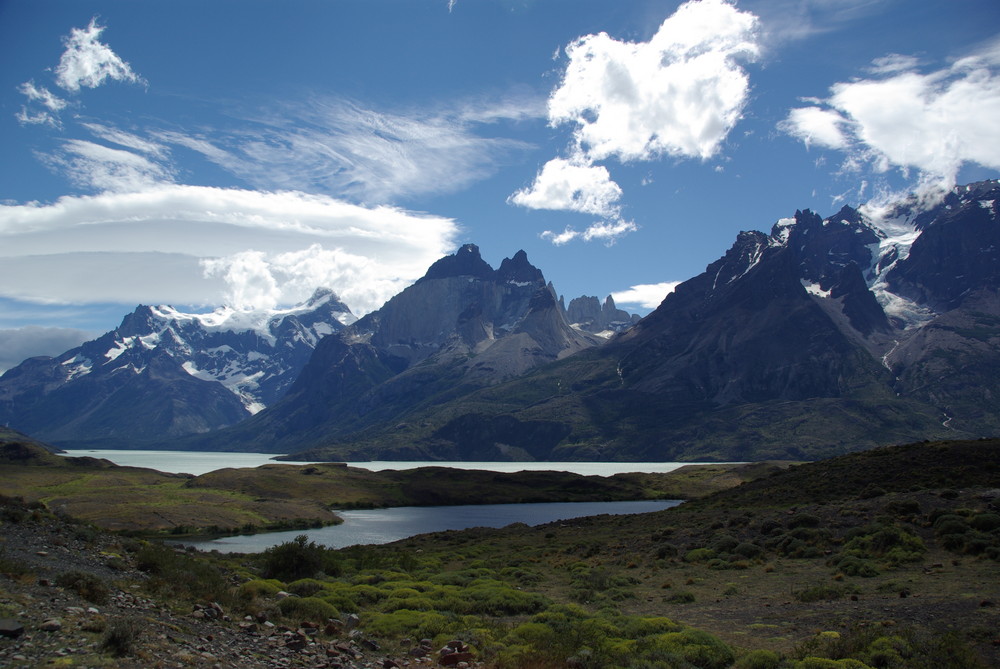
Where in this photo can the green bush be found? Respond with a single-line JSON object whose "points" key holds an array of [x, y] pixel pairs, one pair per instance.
{"points": [[258, 588], [406, 623], [298, 559], [824, 663], [759, 659], [87, 585], [699, 554], [852, 565], [891, 543], [180, 574], [695, 647], [307, 608], [304, 587], [682, 597]]}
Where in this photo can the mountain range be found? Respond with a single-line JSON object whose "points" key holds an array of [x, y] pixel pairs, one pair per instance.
{"points": [[163, 373], [823, 336]]}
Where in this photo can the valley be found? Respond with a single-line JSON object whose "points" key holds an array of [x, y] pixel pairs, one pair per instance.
{"points": [[885, 558]]}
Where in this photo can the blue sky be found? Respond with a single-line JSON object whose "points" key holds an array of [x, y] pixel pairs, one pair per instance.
{"points": [[244, 152]]}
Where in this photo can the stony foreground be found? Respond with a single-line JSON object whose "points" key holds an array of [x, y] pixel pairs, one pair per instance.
{"points": [[46, 623]]}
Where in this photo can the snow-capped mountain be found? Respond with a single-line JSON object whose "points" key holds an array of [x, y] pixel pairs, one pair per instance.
{"points": [[462, 326], [208, 371], [822, 336]]}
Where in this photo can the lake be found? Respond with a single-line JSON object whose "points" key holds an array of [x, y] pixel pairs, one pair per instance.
{"points": [[200, 463], [380, 526], [386, 525]]}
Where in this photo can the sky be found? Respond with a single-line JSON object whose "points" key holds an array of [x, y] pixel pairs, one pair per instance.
{"points": [[246, 152]]}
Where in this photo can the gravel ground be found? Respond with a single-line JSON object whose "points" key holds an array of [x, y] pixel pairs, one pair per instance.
{"points": [[45, 624]]}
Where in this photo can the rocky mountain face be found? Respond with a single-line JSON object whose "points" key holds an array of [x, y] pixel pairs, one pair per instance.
{"points": [[588, 314], [462, 326], [823, 336], [163, 373]]}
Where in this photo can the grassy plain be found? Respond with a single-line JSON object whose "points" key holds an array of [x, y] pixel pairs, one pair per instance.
{"points": [[884, 559], [283, 496]]}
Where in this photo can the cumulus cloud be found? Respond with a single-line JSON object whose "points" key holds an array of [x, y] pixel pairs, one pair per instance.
{"points": [[195, 245], [19, 344], [678, 95], [816, 125], [86, 62], [646, 295], [571, 185], [89, 62], [932, 122]]}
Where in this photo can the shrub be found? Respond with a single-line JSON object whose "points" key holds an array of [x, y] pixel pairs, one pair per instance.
{"points": [[121, 635], [406, 623], [985, 522], [699, 554], [695, 647], [90, 587], [819, 593], [298, 559], [759, 659], [889, 542], [179, 573], [258, 588], [682, 597], [723, 543], [748, 550], [304, 587], [803, 520], [307, 608], [852, 565]]}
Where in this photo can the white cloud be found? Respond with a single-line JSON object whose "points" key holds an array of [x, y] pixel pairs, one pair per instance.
{"points": [[795, 20], [19, 344], [646, 295], [51, 106], [570, 185], [260, 248], [89, 62], [816, 125], [103, 168], [127, 139], [608, 231], [931, 122], [893, 63], [679, 94], [333, 145]]}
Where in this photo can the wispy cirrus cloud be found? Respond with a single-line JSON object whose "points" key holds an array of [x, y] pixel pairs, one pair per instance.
{"points": [[103, 168], [677, 95], [901, 117], [796, 20], [339, 146]]}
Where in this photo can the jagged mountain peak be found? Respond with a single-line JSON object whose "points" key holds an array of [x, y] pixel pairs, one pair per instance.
{"points": [[466, 261], [519, 270]]}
